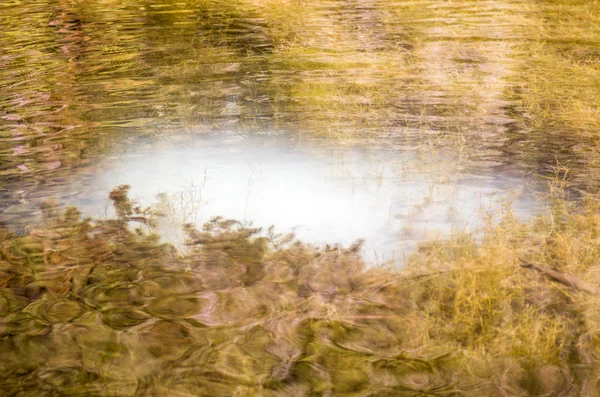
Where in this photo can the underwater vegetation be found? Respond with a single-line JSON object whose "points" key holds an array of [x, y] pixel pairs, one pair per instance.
{"points": [[102, 307]]}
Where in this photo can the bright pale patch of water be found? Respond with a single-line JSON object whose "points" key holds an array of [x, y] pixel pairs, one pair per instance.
{"points": [[324, 192]]}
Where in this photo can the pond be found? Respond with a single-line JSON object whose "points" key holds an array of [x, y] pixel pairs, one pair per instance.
{"points": [[398, 120], [418, 128]]}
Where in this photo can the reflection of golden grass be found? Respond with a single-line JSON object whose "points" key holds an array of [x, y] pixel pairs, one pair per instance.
{"points": [[241, 313], [557, 87], [94, 308], [333, 69], [418, 78]]}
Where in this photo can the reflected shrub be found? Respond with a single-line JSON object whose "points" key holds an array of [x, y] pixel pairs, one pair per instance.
{"points": [[98, 307]]}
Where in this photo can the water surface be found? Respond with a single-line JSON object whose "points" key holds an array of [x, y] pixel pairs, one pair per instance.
{"points": [[82, 81], [324, 192], [391, 122]]}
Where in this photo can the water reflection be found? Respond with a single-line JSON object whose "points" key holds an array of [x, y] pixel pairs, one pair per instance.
{"points": [[76, 77], [81, 80], [432, 114], [325, 192]]}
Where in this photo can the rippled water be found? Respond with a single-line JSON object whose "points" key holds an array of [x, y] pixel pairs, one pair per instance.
{"points": [[340, 120], [78, 79]]}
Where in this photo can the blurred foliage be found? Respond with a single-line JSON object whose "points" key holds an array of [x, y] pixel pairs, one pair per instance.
{"points": [[103, 308]]}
